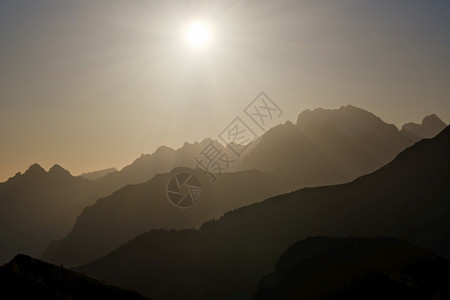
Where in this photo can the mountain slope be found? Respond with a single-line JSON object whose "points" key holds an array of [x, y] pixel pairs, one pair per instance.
{"points": [[321, 149], [163, 160], [28, 278], [226, 258], [138, 208], [430, 127], [327, 146], [356, 268], [57, 198], [98, 174], [38, 206]]}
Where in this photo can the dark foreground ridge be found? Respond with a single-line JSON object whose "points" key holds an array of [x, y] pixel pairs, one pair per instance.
{"points": [[356, 268], [28, 278]]}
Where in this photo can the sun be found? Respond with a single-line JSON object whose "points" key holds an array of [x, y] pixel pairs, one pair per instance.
{"points": [[198, 34]]}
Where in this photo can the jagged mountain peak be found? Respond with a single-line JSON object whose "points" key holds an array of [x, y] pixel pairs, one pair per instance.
{"points": [[58, 170], [164, 149], [430, 127], [35, 169], [327, 111], [349, 119], [433, 120]]}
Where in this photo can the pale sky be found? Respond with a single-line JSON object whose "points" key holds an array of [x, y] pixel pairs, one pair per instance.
{"points": [[92, 84]]}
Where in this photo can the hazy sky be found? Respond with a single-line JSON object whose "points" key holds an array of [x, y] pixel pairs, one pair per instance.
{"points": [[91, 84]]}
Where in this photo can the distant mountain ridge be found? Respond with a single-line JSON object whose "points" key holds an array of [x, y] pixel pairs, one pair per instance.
{"points": [[408, 198], [57, 198], [297, 157], [326, 146], [330, 146], [98, 174], [350, 122], [37, 207], [431, 125], [163, 160], [134, 209]]}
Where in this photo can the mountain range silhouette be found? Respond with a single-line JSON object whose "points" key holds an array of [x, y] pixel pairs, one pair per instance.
{"points": [[80, 219], [406, 199], [38, 206], [134, 209], [98, 174], [328, 146], [312, 152], [56, 198]]}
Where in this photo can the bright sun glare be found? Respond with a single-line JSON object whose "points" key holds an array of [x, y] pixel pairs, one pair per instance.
{"points": [[198, 34]]}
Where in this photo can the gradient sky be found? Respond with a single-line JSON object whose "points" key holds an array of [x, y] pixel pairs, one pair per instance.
{"points": [[91, 84]]}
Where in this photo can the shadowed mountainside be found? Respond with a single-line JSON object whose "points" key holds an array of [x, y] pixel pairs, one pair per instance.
{"points": [[298, 156], [139, 208], [326, 146], [356, 268], [28, 278], [163, 160], [330, 146], [38, 206], [431, 125], [226, 258]]}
